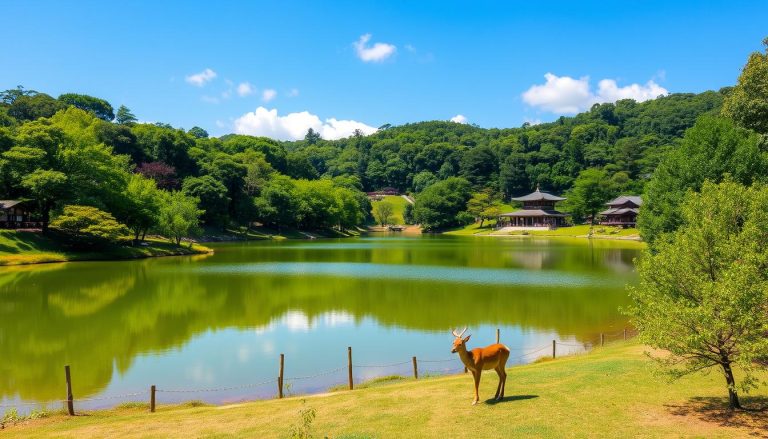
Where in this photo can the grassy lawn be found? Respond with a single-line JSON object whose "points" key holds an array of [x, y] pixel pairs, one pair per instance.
{"points": [[398, 207], [582, 230], [610, 392], [20, 248]]}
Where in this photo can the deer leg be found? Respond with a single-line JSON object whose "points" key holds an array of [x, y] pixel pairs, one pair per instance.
{"points": [[500, 372], [503, 382], [476, 376]]}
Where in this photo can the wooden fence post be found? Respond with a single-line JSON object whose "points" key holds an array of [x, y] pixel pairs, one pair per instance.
{"points": [[625, 334], [70, 398], [554, 344], [152, 390], [280, 377], [349, 365], [497, 335], [602, 339], [415, 369]]}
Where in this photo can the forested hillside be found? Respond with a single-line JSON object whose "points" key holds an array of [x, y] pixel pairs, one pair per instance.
{"points": [[76, 150]]}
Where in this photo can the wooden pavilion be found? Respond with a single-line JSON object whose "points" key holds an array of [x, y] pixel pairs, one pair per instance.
{"points": [[622, 211], [538, 211]]}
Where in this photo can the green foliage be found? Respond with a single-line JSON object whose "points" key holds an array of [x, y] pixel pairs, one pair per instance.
{"points": [[484, 205], [212, 195], [382, 212], [703, 292], [46, 187], [125, 117], [143, 203], [711, 149], [101, 108], [591, 190], [438, 205], [303, 429], [747, 104], [34, 106], [179, 216], [198, 133], [88, 226]]}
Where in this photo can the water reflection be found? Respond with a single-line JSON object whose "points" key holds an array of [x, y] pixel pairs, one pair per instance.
{"points": [[216, 319]]}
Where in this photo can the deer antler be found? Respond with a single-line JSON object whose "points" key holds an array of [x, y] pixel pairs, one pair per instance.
{"points": [[453, 332], [462, 332]]}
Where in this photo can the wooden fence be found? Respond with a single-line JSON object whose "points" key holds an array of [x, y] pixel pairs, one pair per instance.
{"points": [[281, 379]]}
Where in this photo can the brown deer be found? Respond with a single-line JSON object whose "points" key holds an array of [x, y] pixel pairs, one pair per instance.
{"points": [[479, 359]]}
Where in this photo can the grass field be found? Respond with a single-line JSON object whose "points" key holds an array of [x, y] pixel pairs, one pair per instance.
{"points": [[398, 207], [610, 392], [582, 230], [20, 248]]}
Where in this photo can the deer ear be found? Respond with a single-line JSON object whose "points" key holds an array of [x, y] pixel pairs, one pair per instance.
{"points": [[466, 339]]}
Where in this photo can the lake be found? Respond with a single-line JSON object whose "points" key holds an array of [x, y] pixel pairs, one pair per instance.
{"points": [[220, 321]]}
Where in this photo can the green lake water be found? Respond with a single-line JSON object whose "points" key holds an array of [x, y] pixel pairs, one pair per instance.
{"points": [[221, 321]]}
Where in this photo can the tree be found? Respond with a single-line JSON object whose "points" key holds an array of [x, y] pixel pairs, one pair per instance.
{"points": [[382, 212], [179, 216], [164, 175], [479, 165], [438, 205], [101, 108], [87, 225], [277, 203], [747, 103], [703, 292], [143, 204], [125, 117], [35, 106], [422, 180], [711, 149], [212, 195], [198, 133], [312, 137], [484, 205], [590, 192], [47, 187]]}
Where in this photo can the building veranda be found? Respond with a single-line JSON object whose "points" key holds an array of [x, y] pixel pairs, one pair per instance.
{"points": [[538, 211]]}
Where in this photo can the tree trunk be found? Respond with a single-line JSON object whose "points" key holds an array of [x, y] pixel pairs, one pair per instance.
{"points": [[482, 220], [733, 398]]}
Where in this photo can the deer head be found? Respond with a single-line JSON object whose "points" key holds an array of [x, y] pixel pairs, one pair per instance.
{"points": [[459, 343]]}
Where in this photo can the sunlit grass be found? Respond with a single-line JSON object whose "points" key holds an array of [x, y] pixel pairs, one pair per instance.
{"points": [[609, 392]]}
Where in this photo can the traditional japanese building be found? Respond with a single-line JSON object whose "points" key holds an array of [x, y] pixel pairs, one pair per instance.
{"points": [[622, 211], [538, 211], [15, 214]]}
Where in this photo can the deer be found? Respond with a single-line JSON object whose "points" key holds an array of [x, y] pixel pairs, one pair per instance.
{"points": [[479, 359]]}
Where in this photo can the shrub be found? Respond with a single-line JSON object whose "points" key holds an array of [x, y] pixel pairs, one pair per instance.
{"points": [[87, 225]]}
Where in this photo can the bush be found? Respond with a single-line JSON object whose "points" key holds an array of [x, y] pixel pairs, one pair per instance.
{"points": [[88, 226]]}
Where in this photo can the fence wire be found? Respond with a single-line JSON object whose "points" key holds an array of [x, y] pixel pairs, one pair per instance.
{"points": [[586, 345]]}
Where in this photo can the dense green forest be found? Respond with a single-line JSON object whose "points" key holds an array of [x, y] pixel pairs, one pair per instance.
{"points": [[76, 150]]}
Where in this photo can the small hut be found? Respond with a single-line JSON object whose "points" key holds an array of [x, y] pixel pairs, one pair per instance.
{"points": [[15, 214]]}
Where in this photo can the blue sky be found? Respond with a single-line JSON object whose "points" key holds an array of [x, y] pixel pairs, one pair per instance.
{"points": [[311, 64]]}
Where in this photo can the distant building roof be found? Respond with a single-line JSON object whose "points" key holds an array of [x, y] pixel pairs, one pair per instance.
{"points": [[7, 204], [534, 212], [538, 195], [623, 199], [619, 211]]}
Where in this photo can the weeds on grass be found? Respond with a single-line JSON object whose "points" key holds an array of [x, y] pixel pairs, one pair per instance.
{"points": [[303, 430]]}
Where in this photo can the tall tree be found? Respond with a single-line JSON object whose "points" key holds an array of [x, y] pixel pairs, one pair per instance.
{"points": [[747, 103], [590, 192], [703, 293], [101, 108], [711, 149], [382, 211], [125, 117]]}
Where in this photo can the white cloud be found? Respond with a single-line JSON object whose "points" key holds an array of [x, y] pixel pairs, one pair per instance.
{"points": [[245, 89], [268, 94], [459, 118], [293, 93], [294, 126], [200, 79], [563, 94], [376, 53]]}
